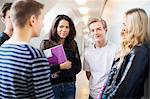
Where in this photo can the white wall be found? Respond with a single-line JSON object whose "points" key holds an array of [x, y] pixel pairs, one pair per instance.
{"points": [[113, 14]]}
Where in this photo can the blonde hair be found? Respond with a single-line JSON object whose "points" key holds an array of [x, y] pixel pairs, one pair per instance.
{"points": [[93, 20], [137, 22]]}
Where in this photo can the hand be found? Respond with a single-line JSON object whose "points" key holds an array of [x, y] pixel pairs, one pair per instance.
{"points": [[66, 65]]}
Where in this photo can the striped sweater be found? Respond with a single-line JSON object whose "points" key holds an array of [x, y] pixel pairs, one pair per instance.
{"points": [[24, 73]]}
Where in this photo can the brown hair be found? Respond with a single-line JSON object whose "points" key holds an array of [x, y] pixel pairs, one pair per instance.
{"points": [[53, 36], [4, 8], [92, 20], [23, 9]]}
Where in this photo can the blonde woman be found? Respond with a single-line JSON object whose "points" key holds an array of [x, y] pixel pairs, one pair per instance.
{"points": [[131, 65]]}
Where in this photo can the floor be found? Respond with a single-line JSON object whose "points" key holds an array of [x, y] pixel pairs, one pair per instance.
{"points": [[82, 86]]}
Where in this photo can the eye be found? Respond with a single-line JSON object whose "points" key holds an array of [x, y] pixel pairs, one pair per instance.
{"points": [[61, 26], [9, 17], [67, 27], [91, 30]]}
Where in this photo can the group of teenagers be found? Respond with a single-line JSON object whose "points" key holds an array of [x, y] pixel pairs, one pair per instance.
{"points": [[112, 72]]}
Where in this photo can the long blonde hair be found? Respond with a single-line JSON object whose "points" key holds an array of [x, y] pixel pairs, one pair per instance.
{"points": [[137, 22]]}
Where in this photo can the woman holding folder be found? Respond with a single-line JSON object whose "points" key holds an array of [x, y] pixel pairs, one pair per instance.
{"points": [[63, 32]]}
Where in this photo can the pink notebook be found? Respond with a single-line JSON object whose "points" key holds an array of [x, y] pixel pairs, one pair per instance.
{"points": [[56, 55]]}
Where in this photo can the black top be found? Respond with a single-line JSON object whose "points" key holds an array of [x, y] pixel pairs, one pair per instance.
{"points": [[3, 37], [72, 54], [147, 84], [128, 81]]}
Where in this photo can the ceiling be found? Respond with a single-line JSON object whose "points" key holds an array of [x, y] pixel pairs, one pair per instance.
{"points": [[71, 8], [110, 10]]}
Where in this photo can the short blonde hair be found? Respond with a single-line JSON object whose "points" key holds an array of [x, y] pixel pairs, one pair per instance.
{"points": [[92, 20]]}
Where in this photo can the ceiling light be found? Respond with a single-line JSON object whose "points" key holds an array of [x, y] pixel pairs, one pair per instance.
{"points": [[84, 10], [80, 2]]}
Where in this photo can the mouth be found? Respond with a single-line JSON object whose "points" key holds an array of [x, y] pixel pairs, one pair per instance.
{"points": [[63, 34], [97, 36]]}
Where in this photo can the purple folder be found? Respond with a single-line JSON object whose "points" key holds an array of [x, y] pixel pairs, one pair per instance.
{"points": [[58, 55]]}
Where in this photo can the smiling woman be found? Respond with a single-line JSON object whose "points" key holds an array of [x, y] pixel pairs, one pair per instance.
{"points": [[63, 29], [63, 32]]}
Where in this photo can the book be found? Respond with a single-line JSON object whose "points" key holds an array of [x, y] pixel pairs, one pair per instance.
{"points": [[56, 54]]}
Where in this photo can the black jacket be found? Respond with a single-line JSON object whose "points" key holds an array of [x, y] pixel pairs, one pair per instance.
{"points": [[72, 54], [3, 37], [128, 81]]}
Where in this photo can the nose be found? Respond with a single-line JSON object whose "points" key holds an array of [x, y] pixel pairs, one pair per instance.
{"points": [[63, 29]]}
